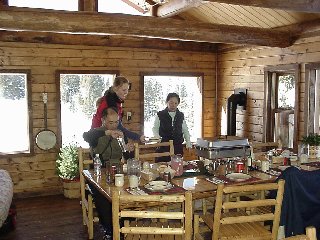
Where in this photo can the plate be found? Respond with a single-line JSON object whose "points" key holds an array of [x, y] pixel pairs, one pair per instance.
{"points": [[158, 186], [238, 177]]}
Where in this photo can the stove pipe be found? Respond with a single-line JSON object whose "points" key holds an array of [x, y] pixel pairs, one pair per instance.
{"points": [[236, 99]]}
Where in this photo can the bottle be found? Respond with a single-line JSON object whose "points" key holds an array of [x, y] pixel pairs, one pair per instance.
{"points": [[97, 165]]}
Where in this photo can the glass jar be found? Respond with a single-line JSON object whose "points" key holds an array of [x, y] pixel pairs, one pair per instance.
{"points": [[177, 164], [134, 167]]}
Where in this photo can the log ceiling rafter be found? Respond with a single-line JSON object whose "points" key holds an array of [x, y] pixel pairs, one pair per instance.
{"points": [[88, 5], [18, 19], [108, 41]]}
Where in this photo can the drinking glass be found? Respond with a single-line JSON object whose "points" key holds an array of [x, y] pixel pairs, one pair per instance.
{"points": [[134, 167]]}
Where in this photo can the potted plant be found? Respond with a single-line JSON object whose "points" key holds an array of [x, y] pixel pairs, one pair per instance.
{"points": [[67, 165], [313, 141]]}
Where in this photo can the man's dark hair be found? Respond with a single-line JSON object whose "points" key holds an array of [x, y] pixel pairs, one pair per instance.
{"points": [[107, 111], [172, 95]]}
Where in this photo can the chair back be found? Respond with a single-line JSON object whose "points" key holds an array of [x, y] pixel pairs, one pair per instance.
{"points": [[228, 220], [146, 223], [147, 152]]}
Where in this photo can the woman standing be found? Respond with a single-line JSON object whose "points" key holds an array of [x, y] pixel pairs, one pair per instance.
{"points": [[169, 124], [114, 97]]}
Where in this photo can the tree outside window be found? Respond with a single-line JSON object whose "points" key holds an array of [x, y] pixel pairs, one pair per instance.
{"points": [[156, 89], [78, 95]]}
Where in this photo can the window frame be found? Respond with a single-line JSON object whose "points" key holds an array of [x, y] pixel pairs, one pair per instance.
{"points": [[271, 97], [174, 74], [58, 102], [309, 96], [30, 113]]}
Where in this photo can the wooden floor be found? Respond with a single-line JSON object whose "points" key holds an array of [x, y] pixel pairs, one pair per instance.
{"points": [[51, 217]]}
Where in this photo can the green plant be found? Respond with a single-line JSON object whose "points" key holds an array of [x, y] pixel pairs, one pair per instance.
{"points": [[67, 163], [312, 140]]}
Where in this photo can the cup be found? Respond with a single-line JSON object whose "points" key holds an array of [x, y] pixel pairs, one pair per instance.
{"points": [[133, 181], [119, 180]]}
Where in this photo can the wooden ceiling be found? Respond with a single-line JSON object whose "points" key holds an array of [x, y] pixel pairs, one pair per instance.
{"points": [[252, 22]]}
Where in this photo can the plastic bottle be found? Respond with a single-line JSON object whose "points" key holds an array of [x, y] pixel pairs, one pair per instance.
{"points": [[97, 165]]}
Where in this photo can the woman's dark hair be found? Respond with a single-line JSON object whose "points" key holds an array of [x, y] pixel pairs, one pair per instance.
{"points": [[172, 95]]}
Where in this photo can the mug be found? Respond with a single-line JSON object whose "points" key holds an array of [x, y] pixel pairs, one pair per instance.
{"points": [[119, 180], [133, 181]]}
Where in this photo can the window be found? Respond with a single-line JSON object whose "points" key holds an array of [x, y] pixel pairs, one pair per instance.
{"points": [[70, 5], [281, 105], [15, 105], [189, 88], [120, 6], [312, 99], [79, 91]]}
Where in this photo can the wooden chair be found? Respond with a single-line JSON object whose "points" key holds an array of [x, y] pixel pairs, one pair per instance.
{"points": [[228, 223], [311, 234], [86, 197], [146, 224], [149, 153]]}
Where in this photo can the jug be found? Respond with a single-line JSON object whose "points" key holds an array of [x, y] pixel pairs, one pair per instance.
{"points": [[134, 167], [177, 164]]}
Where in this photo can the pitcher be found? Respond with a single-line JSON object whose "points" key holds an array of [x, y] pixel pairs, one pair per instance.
{"points": [[177, 164], [134, 167]]}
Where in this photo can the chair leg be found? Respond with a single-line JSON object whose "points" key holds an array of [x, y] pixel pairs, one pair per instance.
{"points": [[90, 217], [196, 223], [204, 206], [84, 213]]}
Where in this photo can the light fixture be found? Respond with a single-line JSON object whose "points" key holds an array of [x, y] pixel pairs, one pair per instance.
{"points": [[146, 6]]}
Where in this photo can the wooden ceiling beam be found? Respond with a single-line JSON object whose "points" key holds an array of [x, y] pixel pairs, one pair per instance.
{"points": [[107, 41], [289, 5], [175, 7], [140, 26], [88, 5]]}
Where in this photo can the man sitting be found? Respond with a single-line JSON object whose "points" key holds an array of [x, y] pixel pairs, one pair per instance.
{"points": [[103, 140]]}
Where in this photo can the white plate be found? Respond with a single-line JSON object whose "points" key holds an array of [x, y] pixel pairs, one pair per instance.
{"points": [[157, 183], [158, 187], [238, 176]]}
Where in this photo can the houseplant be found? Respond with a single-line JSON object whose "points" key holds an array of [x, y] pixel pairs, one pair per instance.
{"points": [[67, 165], [313, 141]]}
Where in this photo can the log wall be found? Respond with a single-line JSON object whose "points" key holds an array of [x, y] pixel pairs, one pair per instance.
{"points": [[36, 175], [243, 67]]}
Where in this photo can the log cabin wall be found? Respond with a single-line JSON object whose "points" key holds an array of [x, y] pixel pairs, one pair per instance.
{"points": [[36, 175], [243, 67]]}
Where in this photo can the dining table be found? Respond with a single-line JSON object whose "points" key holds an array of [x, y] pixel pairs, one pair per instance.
{"points": [[201, 185]]}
